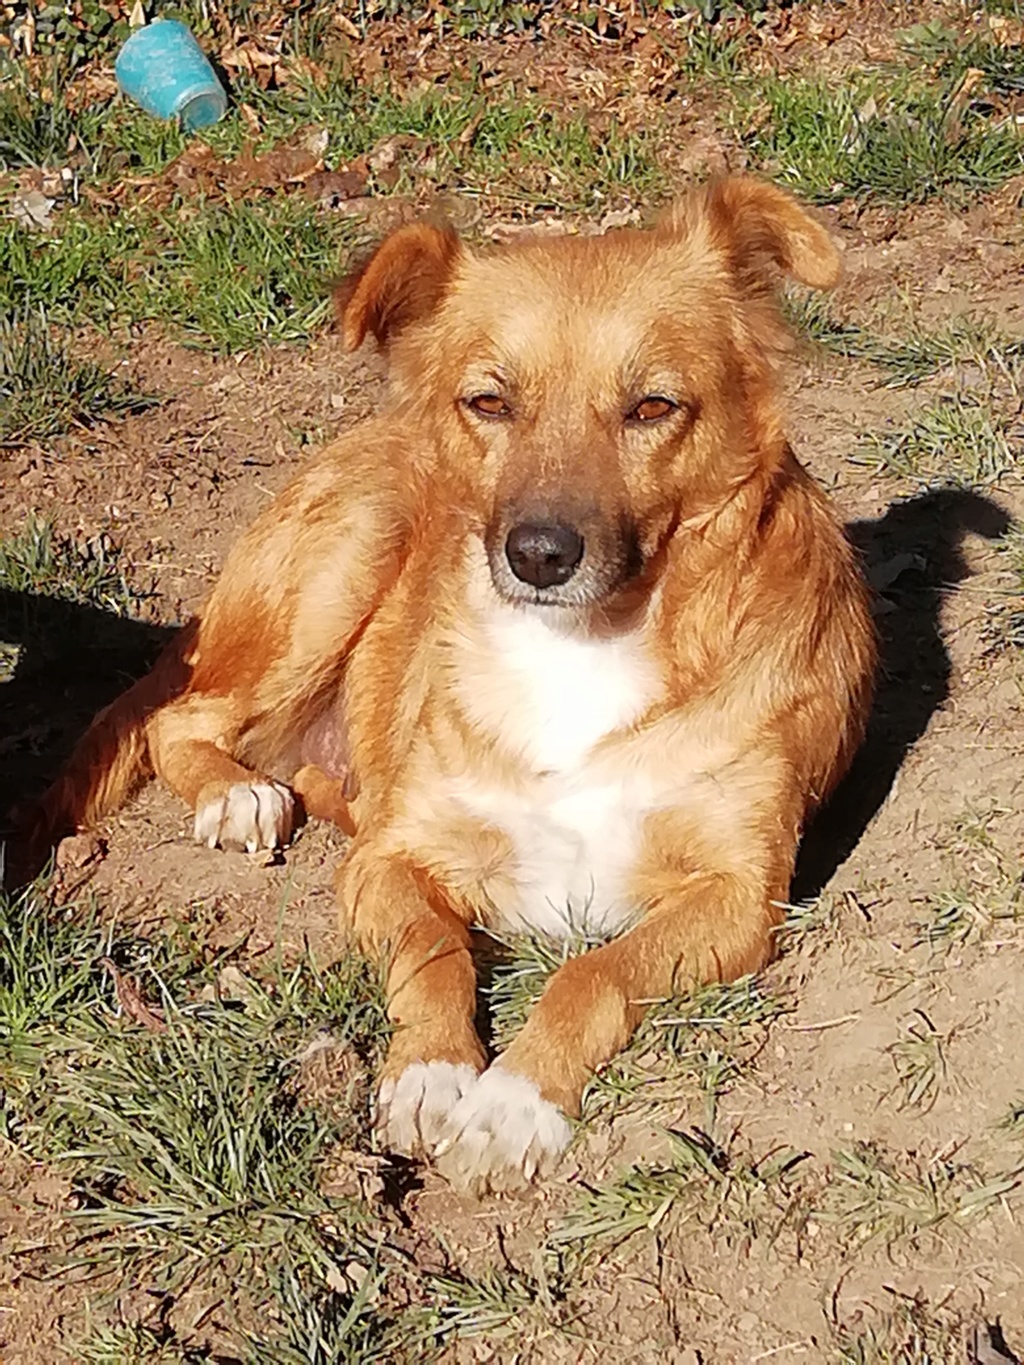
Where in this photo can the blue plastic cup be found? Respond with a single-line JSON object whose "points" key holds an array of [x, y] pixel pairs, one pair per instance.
{"points": [[164, 69]]}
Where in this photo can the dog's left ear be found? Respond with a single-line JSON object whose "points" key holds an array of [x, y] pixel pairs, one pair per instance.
{"points": [[758, 226], [402, 282]]}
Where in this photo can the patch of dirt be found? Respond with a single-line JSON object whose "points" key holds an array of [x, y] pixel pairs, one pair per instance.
{"points": [[34, 1319]]}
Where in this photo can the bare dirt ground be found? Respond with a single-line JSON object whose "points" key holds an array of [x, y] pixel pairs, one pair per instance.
{"points": [[933, 809]]}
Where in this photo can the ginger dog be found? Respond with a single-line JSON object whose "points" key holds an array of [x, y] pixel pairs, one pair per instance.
{"points": [[567, 636]]}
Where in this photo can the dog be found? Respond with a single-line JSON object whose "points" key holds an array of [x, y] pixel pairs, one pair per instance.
{"points": [[566, 638]]}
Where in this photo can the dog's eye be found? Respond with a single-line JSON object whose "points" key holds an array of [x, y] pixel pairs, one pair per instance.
{"points": [[652, 409], [487, 405]]}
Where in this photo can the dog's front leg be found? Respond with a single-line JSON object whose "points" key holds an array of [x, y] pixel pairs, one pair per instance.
{"points": [[700, 926], [399, 913]]}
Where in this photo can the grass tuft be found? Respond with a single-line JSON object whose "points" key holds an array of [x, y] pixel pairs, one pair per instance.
{"points": [[911, 1332], [916, 354], [130, 1344], [876, 1195], [958, 440], [501, 1303], [520, 966], [733, 1197], [990, 893], [697, 1046], [38, 561], [812, 923], [44, 390], [42, 131], [919, 1059], [899, 141], [182, 1118]]}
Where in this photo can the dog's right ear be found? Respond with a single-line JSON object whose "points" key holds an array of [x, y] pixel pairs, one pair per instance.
{"points": [[400, 283]]}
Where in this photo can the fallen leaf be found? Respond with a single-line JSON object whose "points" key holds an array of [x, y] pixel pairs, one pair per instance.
{"points": [[233, 984], [333, 187], [131, 1001], [619, 218], [252, 119], [347, 27], [32, 209]]}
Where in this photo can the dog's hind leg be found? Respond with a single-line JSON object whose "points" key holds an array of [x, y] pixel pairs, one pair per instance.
{"points": [[190, 744]]}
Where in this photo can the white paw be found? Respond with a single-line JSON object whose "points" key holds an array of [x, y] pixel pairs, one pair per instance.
{"points": [[412, 1111], [501, 1134], [250, 815]]}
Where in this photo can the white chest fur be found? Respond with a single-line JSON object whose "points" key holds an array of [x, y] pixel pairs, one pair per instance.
{"points": [[554, 694], [547, 698]]}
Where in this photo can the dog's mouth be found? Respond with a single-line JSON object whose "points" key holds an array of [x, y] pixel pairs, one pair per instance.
{"points": [[556, 562]]}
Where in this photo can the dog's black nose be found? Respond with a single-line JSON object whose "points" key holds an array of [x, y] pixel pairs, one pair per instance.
{"points": [[543, 555]]}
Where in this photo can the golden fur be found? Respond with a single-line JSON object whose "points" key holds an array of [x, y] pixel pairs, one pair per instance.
{"points": [[635, 749]]}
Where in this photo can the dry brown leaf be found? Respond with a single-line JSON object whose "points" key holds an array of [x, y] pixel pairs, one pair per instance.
{"points": [[131, 1002]]}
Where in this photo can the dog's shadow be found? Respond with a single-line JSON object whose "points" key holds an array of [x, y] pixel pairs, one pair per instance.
{"points": [[913, 556], [61, 662]]}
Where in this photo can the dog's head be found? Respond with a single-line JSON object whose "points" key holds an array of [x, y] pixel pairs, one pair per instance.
{"points": [[590, 395]]}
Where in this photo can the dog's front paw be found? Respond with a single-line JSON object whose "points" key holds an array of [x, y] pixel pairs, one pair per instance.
{"points": [[249, 815], [501, 1134], [413, 1110]]}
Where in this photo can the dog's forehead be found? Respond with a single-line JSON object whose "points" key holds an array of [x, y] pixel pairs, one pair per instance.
{"points": [[605, 299]]}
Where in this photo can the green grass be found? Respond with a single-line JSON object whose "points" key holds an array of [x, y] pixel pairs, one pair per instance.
{"points": [[42, 132], [694, 1047], [958, 440], [505, 1303], [698, 1045], [913, 355], [38, 561], [194, 1144], [246, 274], [812, 924], [911, 1331], [237, 274], [45, 389], [81, 272], [129, 1344], [520, 965], [67, 607], [986, 889], [514, 146], [875, 1195], [1002, 64], [709, 55], [891, 138], [919, 1060], [966, 913], [231, 277], [197, 1135], [733, 1197]]}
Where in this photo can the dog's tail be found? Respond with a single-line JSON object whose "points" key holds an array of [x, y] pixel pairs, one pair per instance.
{"points": [[108, 763]]}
